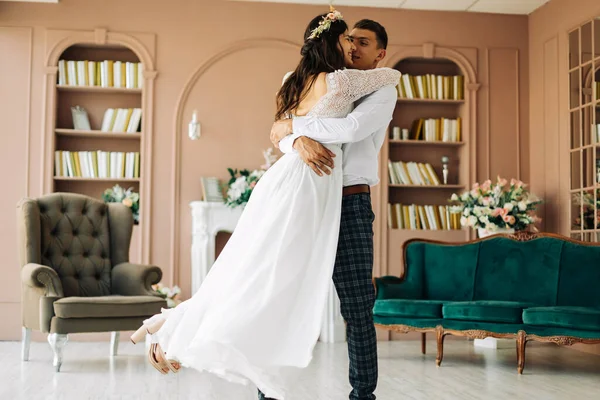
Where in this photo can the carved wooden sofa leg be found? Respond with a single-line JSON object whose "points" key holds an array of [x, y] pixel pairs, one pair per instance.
{"points": [[521, 342], [424, 343], [439, 331]]}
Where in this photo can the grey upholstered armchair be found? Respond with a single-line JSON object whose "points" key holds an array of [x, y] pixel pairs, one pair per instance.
{"points": [[75, 270]]}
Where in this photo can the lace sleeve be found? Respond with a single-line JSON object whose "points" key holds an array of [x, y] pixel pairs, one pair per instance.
{"points": [[349, 85]]}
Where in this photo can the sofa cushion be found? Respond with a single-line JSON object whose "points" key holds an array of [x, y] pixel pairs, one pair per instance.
{"points": [[408, 308], [564, 317], [108, 306], [486, 310], [579, 275], [449, 271], [509, 270]]}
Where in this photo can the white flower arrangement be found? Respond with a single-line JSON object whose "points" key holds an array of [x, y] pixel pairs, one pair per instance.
{"points": [[496, 206], [128, 198], [240, 187], [169, 294]]}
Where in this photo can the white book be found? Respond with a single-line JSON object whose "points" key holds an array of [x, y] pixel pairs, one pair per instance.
{"points": [[83, 163], [62, 72], [91, 166], [71, 73], [65, 168], [413, 216], [134, 121], [81, 74], [440, 87], [107, 119], [420, 87], [129, 80], [407, 87], [103, 75], [92, 73], [70, 169], [117, 74], [118, 120], [140, 75], [398, 208], [392, 173]]}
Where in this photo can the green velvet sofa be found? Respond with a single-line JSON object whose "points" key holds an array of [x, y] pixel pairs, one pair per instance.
{"points": [[526, 286]]}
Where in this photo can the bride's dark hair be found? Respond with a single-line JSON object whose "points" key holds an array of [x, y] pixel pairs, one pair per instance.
{"points": [[321, 54]]}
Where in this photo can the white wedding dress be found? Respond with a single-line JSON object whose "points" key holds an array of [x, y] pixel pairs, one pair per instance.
{"points": [[257, 315]]}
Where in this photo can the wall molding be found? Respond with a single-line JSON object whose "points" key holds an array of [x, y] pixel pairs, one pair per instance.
{"points": [[178, 132]]}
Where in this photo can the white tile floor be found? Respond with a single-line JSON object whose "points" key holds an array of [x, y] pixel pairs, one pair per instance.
{"points": [[89, 373]]}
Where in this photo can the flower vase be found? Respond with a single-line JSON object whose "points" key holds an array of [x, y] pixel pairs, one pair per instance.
{"points": [[482, 232]]}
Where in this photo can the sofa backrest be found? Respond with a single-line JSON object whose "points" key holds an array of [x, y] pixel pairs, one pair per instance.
{"points": [[542, 269]]}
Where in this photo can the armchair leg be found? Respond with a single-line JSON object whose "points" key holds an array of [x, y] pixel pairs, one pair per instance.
{"points": [[114, 343], [25, 343], [423, 343], [57, 342]]}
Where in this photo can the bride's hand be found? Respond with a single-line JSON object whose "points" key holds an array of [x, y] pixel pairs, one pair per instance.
{"points": [[279, 130]]}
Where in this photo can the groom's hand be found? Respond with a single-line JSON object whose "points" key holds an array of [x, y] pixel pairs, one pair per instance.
{"points": [[279, 130], [315, 155]]}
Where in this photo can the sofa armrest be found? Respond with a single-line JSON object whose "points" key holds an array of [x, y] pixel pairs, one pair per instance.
{"points": [[43, 279], [135, 279], [389, 287]]}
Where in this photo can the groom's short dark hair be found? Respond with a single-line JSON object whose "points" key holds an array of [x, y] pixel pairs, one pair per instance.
{"points": [[375, 27]]}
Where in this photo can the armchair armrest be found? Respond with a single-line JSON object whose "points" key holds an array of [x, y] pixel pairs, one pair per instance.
{"points": [[42, 279], [389, 287], [135, 279], [41, 288]]}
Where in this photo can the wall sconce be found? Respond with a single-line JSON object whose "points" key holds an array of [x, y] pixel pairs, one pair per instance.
{"points": [[194, 127]]}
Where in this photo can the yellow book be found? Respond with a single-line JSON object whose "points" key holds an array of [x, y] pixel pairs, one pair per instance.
{"points": [[123, 75], [398, 211], [110, 72], [406, 215], [137, 165], [458, 129], [135, 75], [75, 163], [122, 157], [85, 73], [127, 118], [95, 163]]}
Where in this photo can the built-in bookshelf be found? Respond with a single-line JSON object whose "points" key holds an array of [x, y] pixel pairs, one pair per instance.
{"points": [[584, 128], [431, 123], [99, 104]]}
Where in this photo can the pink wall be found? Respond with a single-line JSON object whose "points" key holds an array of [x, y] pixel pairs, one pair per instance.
{"points": [[240, 52], [549, 107]]}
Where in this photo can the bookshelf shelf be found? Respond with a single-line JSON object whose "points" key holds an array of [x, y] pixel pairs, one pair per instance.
{"points": [[98, 134], [425, 143], [75, 179], [438, 187], [429, 101], [96, 89]]}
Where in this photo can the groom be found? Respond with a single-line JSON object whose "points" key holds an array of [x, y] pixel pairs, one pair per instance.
{"points": [[362, 134]]}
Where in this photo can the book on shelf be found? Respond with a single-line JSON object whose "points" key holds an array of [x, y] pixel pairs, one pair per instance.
{"points": [[436, 129], [96, 164], [597, 90], [126, 120], [422, 217], [107, 73], [412, 173], [430, 86]]}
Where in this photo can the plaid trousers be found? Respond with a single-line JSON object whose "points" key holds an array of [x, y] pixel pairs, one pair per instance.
{"points": [[352, 277]]}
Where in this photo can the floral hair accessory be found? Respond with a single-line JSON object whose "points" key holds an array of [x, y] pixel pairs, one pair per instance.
{"points": [[325, 24]]}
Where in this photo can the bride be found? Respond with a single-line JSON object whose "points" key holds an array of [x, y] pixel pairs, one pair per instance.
{"points": [[257, 315]]}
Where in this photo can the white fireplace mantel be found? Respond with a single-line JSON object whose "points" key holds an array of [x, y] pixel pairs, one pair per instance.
{"points": [[208, 219]]}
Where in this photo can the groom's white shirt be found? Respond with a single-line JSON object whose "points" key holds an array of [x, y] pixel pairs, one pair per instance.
{"points": [[361, 134]]}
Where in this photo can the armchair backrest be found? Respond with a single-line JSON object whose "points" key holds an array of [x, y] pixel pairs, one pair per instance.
{"points": [[80, 237]]}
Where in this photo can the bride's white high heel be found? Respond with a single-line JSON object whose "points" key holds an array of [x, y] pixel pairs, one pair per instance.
{"points": [[146, 329], [156, 356]]}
